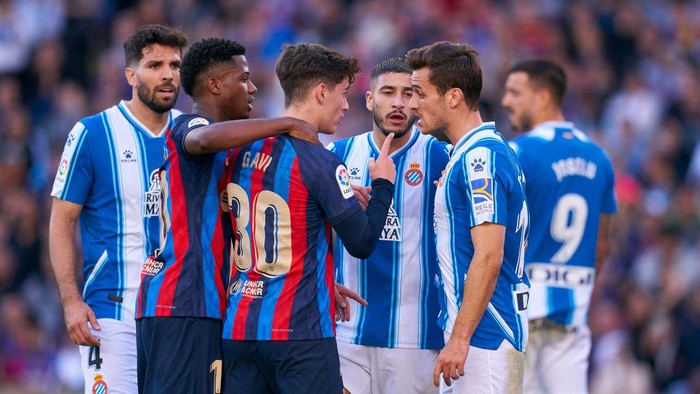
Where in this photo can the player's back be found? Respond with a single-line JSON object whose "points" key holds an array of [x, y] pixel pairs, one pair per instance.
{"points": [[186, 278], [569, 184], [285, 193]]}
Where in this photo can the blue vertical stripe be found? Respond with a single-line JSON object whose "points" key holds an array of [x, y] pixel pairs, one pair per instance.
{"points": [[119, 210]]}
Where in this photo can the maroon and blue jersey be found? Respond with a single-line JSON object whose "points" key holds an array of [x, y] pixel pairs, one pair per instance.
{"points": [[186, 276], [285, 195]]}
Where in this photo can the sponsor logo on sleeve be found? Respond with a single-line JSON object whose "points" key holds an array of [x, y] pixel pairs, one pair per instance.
{"points": [[197, 122], [343, 179], [482, 196]]}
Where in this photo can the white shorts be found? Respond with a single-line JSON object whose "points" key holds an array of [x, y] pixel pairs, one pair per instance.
{"points": [[368, 369], [111, 367], [491, 371], [556, 360]]}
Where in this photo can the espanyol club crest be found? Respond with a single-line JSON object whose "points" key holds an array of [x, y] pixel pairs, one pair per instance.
{"points": [[414, 176], [100, 387]]}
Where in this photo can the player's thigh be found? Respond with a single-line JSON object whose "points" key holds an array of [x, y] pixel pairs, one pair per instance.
{"points": [[492, 371], [398, 371], [111, 367], [533, 370], [303, 366], [181, 355], [563, 365], [241, 372], [355, 367]]}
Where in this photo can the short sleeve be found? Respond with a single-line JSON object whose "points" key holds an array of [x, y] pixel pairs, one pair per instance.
{"points": [[486, 187], [74, 176]]}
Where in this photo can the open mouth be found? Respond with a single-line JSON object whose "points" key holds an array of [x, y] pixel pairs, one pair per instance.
{"points": [[397, 118]]}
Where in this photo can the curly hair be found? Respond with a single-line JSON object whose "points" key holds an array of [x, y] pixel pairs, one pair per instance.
{"points": [[302, 66], [147, 35], [205, 54]]}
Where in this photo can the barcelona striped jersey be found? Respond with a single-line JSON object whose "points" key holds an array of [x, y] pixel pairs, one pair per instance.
{"points": [[284, 194], [569, 183], [110, 166], [187, 274], [399, 279], [483, 183]]}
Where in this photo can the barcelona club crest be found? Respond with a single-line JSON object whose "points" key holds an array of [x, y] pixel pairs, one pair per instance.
{"points": [[414, 176]]}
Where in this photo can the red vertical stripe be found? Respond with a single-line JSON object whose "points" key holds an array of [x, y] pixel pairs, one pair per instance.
{"points": [[256, 185], [181, 239], [298, 199], [330, 276]]}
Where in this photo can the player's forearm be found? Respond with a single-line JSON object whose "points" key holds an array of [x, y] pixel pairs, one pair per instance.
{"points": [[478, 289], [220, 136], [361, 231], [62, 252]]}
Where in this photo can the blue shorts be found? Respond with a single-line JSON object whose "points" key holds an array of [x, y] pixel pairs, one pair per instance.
{"points": [[179, 355], [259, 367]]}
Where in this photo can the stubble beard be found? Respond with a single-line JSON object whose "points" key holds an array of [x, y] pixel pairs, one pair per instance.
{"points": [[378, 121], [148, 97]]}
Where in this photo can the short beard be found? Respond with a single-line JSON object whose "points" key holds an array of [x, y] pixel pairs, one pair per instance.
{"points": [[152, 103], [397, 134]]}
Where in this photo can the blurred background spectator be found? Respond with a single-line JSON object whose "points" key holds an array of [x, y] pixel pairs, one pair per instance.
{"points": [[634, 78]]}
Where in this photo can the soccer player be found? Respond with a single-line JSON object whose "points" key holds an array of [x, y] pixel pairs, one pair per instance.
{"points": [[391, 345], [481, 220], [108, 179], [182, 295], [569, 187], [286, 194]]}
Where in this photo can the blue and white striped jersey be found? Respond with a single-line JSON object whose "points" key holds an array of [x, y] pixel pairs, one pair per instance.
{"points": [[483, 183], [569, 184], [110, 166], [399, 279]]}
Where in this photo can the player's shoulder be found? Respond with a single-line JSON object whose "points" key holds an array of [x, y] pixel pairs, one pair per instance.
{"points": [[342, 145], [189, 121]]}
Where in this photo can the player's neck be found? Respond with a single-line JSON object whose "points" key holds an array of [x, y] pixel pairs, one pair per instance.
{"points": [[153, 121], [462, 123], [549, 116], [305, 113]]}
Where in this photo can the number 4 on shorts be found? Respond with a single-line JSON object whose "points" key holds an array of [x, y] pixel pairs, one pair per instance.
{"points": [[94, 358]]}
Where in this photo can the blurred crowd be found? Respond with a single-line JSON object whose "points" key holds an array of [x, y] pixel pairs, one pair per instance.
{"points": [[634, 78]]}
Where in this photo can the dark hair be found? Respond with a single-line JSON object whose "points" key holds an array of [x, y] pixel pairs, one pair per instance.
{"points": [[451, 66], [390, 65], [204, 55], [147, 35], [302, 66], [544, 74]]}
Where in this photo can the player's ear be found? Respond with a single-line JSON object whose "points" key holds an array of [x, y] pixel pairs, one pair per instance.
{"points": [[321, 92], [454, 97], [368, 100], [214, 86], [130, 75]]}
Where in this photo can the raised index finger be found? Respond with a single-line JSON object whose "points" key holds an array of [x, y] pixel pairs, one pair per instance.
{"points": [[386, 144]]}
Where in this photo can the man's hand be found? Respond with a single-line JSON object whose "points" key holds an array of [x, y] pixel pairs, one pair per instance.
{"points": [[77, 314], [384, 166], [450, 362], [304, 131], [342, 309], [362, 194]]}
